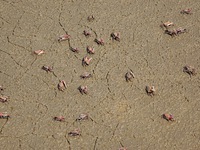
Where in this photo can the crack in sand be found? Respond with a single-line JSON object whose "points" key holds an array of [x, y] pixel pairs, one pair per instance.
{"points": [[95, 143], [25, 72], [107, 80], [113, 134], [17, 24], [11, 58], [9, 41], [1, 130], [6, 74]]}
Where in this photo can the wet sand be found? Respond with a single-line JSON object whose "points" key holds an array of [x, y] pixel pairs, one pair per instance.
{"points": [[121, 113]]}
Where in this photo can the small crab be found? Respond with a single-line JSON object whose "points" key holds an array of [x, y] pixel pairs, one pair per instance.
{"points": [[87, 33], [90, 50], [99, 41], [1, 88], [115, 36], [129, 75], [171, 32], [167, 24], [63, 37], [76, 50], [175, 31], [4, 115], [86, 75], [186, 11], [190, 70], [90, 18], [62, 85], [82, 117], [59, 118], [86, 61], [47, 68], [83, 89], [180, 30], [150, 90], [168, 117], [39, 52], [4, 99], [75, 132]]}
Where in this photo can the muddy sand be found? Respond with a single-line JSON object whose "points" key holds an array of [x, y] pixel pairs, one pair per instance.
{"points": [[121, 114]]}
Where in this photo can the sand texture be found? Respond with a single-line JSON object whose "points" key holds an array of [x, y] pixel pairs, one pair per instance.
{"points": [[121, 114]]}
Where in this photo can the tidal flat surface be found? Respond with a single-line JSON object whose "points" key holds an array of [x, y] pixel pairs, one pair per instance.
{"points": [[121, 114]]}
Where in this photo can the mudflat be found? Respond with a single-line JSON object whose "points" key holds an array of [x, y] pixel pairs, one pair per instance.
{"points": [[121, 113]]}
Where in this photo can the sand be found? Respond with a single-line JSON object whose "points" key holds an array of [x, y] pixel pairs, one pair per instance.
{"points": [[121, 113]]}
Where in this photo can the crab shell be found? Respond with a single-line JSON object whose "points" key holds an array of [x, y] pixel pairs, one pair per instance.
{"points": [[86, 33], [59, 118], [85, 75], [99, 41], [90, 18], [62, 85], [83, 89], [39, 52], [76, 50], [90, 50], [190, 70], [150, 90], [86, 61], [63, 37], [47, 68], [3, 99], [83, 117], [76, 132], [129, 75], [168, 117], [4, 115], [115, 36]]}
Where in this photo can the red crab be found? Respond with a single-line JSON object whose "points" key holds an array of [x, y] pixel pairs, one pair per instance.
{"points": [[168, 117], [63, 37], [4, 115], [59, 118]]}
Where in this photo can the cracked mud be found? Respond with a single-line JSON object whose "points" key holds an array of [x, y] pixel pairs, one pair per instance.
{"points": [[121, 114]]}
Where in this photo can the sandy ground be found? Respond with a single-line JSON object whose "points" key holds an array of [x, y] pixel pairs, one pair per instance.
{"points": [[121, 113]]}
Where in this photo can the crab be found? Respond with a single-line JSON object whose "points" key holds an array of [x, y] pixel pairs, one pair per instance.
{"points": [[90, 18], [90, 50], [175, 31], [75, 132], [63, 37], [86, 61], [47, 68], [4, 99], [62, 85], [86, 75], [1, 88], [39, 52], [59, 118], [190, 70], [4, 115], [82, 117], [150, 90], [99, 41], [129, 75], [168, 117], [186, 11], [76, 50], [180, 30], [87, 33], [115, 36], [167, 24], [83, 89]]}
